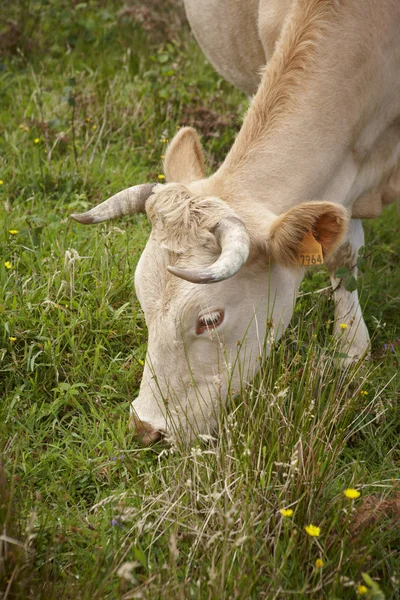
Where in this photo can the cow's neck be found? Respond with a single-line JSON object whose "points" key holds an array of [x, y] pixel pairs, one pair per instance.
{"points": [[322, 106]]}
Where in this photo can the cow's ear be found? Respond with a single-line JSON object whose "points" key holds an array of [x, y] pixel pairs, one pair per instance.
{"points": [[327, 222], [184, 159]]}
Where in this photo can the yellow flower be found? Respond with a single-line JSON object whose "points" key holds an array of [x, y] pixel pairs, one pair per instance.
{"points": [[313, 530], [364, 393], [8, 265], [362, 590], [36, 140], [13, 231], [141, 362], [319, 563], [286, 512], [94, 127], [161, 177], [24, 127], [352, 494], [12, 339], [343, 326], [162, 156], [1, 182]]}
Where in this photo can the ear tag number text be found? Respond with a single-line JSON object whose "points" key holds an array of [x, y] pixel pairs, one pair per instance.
{"points": [[310, 251]]}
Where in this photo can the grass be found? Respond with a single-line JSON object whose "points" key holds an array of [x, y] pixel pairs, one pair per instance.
{"points": [[88, 99]]}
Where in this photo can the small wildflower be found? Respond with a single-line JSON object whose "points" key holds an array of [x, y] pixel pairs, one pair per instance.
{"points": [[88, 119], [141, 362], [36, 140], [8, 265], [94, 127], [162, 156], [150, 141], [389, 347], [364, 393], [286, 512], [352, 494], [161, 177], [313, 530], [24, 127], [12, 339], [319, 563], [1, 182], [13, 231], [343, 326], [362, 590]]}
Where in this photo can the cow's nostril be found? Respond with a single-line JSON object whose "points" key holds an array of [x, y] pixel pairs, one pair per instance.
{"points": [[144, 431]]}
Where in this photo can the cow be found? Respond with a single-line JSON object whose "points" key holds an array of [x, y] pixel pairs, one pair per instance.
{"points": [[319, 149]]}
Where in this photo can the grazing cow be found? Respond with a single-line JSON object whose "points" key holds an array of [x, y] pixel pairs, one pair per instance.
{"points": [[319, 148]]}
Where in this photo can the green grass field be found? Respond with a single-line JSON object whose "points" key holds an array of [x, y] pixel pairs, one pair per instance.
{"points": [[90, 92]]}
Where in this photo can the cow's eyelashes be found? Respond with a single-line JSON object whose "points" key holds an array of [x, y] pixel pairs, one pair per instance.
{"points": [[209, 321]]}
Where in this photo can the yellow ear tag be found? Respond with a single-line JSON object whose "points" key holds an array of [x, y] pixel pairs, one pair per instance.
{"points": [[310, 251]]}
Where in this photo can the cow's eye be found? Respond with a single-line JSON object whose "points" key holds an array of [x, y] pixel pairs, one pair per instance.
{"points": [[209, 321]]}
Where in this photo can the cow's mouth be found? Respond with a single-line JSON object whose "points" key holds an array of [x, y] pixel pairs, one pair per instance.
{"points": [[145, 432]]}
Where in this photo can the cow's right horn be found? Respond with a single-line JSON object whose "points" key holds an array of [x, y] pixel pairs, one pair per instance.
{"points": [[128, 202], [234, 240]]}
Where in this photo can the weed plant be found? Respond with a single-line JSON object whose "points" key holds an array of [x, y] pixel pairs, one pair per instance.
{"points": [[90, 93]]}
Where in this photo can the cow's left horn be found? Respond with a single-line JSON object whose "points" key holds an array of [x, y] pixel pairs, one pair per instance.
{"points": [[128, 202], [234, 240]]}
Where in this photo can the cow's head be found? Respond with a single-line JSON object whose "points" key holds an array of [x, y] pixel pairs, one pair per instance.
{"points": [[212, 284]]}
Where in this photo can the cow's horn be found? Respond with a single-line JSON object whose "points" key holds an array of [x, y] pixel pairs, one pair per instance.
{"points": [[234, 240], [128, 202]]}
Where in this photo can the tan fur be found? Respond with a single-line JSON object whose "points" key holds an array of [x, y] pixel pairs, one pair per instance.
{"points": [[367, 207], [182, 220], [326, 221], [271, 17], [391, 190], [227, 32], [323, 122], [293, 56], [295, 60], [370, 206], [345, 256], [184, 159]]}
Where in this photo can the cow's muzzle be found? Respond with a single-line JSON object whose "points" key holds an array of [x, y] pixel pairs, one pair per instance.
{"points": [[144, 432]]}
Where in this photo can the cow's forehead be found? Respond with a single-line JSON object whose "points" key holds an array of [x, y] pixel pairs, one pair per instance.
{"points": [[181, 219], [164, 295]]}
